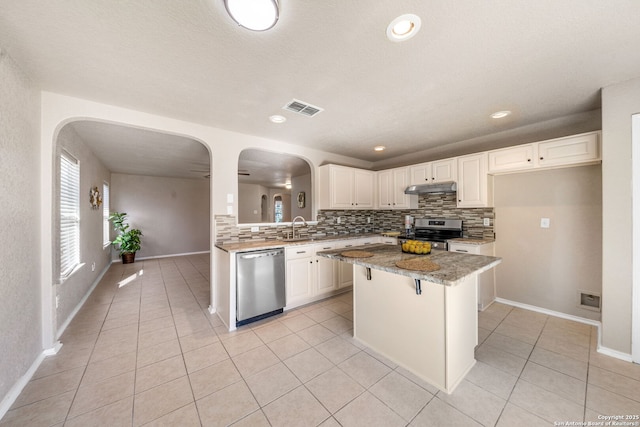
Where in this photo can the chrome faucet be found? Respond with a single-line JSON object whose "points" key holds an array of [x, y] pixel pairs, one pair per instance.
{"points": [[293, 225]]}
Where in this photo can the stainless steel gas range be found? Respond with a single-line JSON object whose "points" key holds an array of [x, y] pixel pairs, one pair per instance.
{"points": [[437, 231]]}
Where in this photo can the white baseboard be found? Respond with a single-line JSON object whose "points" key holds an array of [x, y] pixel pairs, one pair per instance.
{"points": [[19, 385], [551, 312], [614, 353], [602, 350], [165, 256], [82, 301]]}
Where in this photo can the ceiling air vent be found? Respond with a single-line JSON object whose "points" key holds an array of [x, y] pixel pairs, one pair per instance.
{"points": [[303, 108]]}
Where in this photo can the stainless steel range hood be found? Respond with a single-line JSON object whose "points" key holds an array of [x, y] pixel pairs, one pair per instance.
{"points": [[441, 187]]}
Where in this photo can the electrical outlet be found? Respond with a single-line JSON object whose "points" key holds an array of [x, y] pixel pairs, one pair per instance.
{"points": [[486, 222], [338, 220], [93, 266], [368, 220], [57, 300], [255, 229], [545, 222]]}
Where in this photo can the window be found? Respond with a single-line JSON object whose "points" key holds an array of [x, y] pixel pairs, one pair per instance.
{"points": [[278, 208], [105, 214], [69, 214]]}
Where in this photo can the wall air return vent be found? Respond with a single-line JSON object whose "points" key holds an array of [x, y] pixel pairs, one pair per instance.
{"points": [[303, 108]]}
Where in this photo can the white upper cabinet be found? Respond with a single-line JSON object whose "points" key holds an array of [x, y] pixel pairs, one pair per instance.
{"points": [[444, 170], [391, 186], [513, 158], [364, 189], [474, 190], [566, 151], [343, 187], [433, 172]]}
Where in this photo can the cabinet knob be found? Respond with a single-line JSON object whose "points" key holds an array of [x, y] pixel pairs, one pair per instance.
{"points": [[433, 179], [460, 200], [426, 179], [541, 158], [528, 160]]}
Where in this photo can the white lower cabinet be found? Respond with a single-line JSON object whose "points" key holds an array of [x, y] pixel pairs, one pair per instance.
{"points": [[299, 275], [326, 271], [486, 280], [310, 277]]}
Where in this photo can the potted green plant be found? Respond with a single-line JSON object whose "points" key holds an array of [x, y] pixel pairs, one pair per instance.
{"points": [[128, 240]]}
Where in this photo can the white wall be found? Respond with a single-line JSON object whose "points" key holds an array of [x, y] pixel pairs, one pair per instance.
{"points": [[619, 103], [172, 213], [546, 267], [92, 174], [20, 302]]}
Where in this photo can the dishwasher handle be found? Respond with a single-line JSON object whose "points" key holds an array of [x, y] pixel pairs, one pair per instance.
{"points": [[254, 255]]}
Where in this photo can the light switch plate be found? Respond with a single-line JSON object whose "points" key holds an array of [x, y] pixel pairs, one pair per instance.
{"points": [[545, 222], [255, 229], [486, 222], [230, 198]]}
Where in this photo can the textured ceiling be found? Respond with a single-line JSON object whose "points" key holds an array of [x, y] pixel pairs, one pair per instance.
{"points": [[545, 60]]}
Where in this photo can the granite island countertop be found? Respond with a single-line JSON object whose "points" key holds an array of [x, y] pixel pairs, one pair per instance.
{"points": [[254, 245], [454, 266]]}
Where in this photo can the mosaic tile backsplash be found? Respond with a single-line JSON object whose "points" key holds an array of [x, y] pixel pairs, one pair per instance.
{"points": [[438, 205]]}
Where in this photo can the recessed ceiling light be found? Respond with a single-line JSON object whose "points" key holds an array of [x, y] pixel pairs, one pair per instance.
{"points": [[256, 15], [403, 27], [276, 118], [500, 114], [379, 148]]}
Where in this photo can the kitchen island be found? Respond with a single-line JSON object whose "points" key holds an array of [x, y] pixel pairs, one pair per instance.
{"points": [[425, 321]]}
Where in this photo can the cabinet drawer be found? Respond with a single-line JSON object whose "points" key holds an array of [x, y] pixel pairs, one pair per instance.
{"points": [[299, 252]]}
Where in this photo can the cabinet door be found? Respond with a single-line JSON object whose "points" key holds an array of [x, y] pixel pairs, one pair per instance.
{"points": [[341, 188], [444, 170], [472, 181], [299, 280], [420, 174], [516, 158], [566, 151], [385, 180], [363, 189], [326, 271], [400, 183]]}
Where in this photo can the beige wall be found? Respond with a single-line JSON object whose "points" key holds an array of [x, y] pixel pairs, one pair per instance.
{"points": [[249, 203], [546, 267], [92, 174], [20, 302], [173, 213], [619, 102], [301, 184]]}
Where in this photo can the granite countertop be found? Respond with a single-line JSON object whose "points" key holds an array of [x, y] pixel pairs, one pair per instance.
{"points": [[454, 266], [255, 245]]}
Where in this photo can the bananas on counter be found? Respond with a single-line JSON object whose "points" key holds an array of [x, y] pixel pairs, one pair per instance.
{"points": [[416, 247]]}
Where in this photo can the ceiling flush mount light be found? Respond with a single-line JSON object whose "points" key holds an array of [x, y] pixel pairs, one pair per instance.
{"points": [[379, 148], [500, 114], [403, 27], [255, 15], [276, 118]]}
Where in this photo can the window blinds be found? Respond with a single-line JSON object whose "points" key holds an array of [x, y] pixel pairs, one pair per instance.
{"points": [[69, 214]]}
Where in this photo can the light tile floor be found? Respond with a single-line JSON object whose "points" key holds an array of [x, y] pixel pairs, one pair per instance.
{"points": [[149, 353]]}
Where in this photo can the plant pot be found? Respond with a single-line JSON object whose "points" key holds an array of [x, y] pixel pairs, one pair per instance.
{"points": [[129, 258]]}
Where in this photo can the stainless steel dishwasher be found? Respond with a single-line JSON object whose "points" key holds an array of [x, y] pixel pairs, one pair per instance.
{"points": [[260, 287]]}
